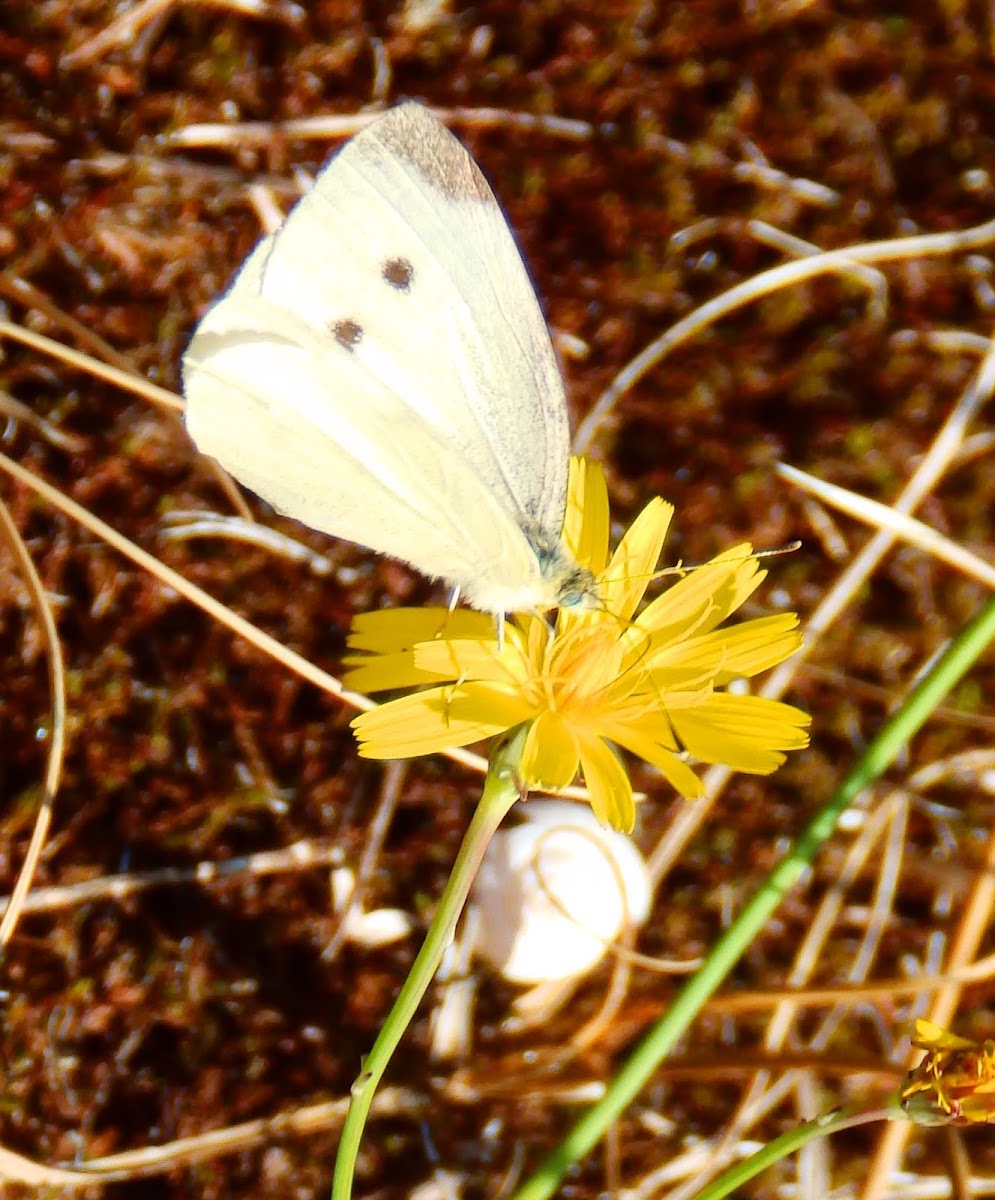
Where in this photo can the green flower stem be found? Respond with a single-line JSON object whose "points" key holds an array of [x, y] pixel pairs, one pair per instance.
{"points": [[789, 1142], [945, 672], [500, 793]]}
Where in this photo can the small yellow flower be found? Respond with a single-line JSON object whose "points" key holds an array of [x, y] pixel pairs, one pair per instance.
{"points": [[601, 678], [954, 1084]]}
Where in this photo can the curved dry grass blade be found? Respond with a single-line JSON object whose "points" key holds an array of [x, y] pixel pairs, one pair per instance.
{"points": [[125, 378], [928, 473], [885, 990], [185, 525], [25, 292], [214, 608], [881, 516], [57, 741], [137, 1164], [129, 380], [301, 856], [14, 410], [828, 262], [333, 125], [390, 794], [122, 31]]}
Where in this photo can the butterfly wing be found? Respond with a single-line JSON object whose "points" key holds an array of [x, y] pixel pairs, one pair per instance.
{"points": [[356, 469], [381, 370]]}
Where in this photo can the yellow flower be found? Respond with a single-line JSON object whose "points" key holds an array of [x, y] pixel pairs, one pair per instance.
{"points": [[954, 1084], [601, 678]]}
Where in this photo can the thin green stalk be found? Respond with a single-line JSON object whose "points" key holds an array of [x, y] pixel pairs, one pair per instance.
{"points": [[948, 668], [499, 794], [790, 1141]]}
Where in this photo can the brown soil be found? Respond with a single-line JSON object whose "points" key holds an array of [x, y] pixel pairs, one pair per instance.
{"points": [[189, 1007]]}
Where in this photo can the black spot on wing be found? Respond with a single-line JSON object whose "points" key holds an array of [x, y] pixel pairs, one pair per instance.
{"points": [[399, 273], [347, 333]]}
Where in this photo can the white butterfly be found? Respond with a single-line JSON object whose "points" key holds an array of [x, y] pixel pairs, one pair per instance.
{"points": [[380, 370]]}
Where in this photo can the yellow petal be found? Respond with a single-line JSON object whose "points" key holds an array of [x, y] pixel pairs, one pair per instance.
{"points": [[472, 659], [678, 774], [930, 1036], [657, 747], [634, 563], [382, 672], [644, 734], [736, 652], [391, 629], [694, 695], [748, 733], [704, 598], [550, 757], [607, 784], [438, 719], [583, 662], [587, 522], [745, 580], [757, 646], [978, 1108]]}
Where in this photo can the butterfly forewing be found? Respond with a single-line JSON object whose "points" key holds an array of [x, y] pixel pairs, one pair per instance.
{"points": [[381, 369]]}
